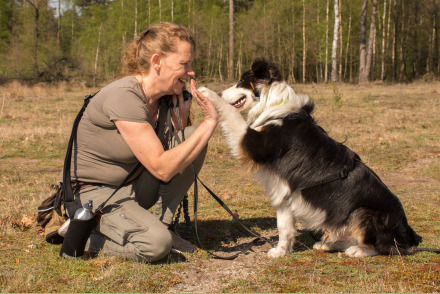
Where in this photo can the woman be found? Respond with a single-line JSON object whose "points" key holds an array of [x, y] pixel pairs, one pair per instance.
{"points": [[124, 124]]}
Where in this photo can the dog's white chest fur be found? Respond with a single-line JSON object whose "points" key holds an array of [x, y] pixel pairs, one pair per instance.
{"points": [[280, 195]]}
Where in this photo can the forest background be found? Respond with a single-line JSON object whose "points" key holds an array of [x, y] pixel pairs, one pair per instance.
{"points": [[311, 40], [393, 124]]}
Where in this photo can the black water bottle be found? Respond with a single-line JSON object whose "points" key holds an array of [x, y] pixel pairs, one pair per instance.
{"points": [[79, 230]]}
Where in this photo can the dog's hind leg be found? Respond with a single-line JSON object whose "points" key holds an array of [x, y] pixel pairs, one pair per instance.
{"points": [[330, 245], [286, 231], [362, 250]]}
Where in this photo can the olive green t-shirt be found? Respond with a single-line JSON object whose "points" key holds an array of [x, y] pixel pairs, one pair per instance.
{"points": [[100, 154]]}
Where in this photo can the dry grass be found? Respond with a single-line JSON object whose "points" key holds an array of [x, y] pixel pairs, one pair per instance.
{"points": [[394, 128]]}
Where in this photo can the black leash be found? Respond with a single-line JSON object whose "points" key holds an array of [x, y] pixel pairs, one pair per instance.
{"points": [[222, 204], [234, 216]]}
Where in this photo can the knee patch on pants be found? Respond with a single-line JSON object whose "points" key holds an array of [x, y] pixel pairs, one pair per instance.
{"points": [[134, 232]]}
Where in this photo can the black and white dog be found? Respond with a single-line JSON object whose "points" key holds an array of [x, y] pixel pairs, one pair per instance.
{"points": [[308, 176]]}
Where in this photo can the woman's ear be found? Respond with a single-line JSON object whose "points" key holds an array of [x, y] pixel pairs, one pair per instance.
{"points": [[155, 61]]}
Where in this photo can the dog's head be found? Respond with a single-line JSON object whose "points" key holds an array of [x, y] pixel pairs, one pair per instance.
{"points": [[247, 91]]}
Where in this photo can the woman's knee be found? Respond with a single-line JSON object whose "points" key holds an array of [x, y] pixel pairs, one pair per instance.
{"points": [[155, 247]]}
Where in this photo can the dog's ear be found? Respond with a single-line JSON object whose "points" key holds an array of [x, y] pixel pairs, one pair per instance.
{"points": [[265, 69]]}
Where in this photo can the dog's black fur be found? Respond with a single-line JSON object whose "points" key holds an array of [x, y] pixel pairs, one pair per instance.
{"points": [[302, 153], [309, 176]]}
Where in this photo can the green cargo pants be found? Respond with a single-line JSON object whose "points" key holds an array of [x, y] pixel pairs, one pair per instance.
{"points": [[128, 228]]}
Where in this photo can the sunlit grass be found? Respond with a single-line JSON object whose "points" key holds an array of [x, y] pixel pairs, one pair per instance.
{"points": [[394, 128]]}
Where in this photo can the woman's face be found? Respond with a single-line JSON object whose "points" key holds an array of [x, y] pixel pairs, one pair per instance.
{"points": [[176, 68]]}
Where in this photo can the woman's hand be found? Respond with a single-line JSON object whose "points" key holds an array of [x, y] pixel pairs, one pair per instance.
{"points": [[146, 146], [206, 106]]}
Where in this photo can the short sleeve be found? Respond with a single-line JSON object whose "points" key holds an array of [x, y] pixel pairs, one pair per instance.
{"points": [[125, 104]]}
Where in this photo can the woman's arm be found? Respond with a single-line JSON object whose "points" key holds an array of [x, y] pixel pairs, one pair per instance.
{"points": [[147, 147]]}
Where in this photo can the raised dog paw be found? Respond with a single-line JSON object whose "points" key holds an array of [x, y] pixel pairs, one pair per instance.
{"points": [[211, 95], [360, 251], [276, 252]]}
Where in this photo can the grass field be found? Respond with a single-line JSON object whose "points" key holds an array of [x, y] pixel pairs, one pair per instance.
{"points": [[394, 128]]}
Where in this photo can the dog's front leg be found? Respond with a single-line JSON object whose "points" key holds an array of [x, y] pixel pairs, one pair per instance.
{"points": [[231, 121], [286, 231]]}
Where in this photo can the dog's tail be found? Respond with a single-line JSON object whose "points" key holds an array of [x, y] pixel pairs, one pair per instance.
{"points": [[416, 249], [390, 232]]}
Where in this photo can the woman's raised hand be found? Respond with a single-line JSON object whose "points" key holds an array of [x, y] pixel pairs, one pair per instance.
{"points": [[207, 107]]}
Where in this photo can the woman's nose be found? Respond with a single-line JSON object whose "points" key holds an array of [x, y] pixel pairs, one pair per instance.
{"points": [[190, 71]]}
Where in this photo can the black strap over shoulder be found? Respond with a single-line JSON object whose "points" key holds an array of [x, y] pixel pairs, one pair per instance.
{"points": [[68, 197], [71, 205]]}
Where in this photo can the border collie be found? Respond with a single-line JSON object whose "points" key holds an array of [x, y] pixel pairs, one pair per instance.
{"points": [[308, 176]]}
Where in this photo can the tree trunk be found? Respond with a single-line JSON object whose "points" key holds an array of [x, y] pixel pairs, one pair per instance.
{"points": [[404, 44], [432, 52], [209, 71], [220, 59], [264, 29], [347, 51], [135, 19], [363, 77], [319, 63], [373, 60], [384, 37], [121, 25], [59, 23], [160, 11], [97, 55], [240, 55], [72, 24], [172, 10], [326, 43], [189, 15], [279, 53], [341, 44], [334, 76], [394, 49], [388, 31], [415, 41], [35, 5], [231, 41], [371, 41], [292, 56], [304, 43]]}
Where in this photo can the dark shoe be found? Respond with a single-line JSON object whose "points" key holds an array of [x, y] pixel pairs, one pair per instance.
{"points": [[182, 245]]}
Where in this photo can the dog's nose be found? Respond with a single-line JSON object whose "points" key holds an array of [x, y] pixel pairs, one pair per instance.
{"points": [[220, 94]]}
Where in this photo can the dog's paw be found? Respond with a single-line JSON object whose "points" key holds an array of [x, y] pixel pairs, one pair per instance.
{"points": [[211, 95], [276, 252], [321, 247], [360, 251]]}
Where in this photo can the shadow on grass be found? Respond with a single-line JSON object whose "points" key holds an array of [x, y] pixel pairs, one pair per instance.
{"points": [[230, 236]]}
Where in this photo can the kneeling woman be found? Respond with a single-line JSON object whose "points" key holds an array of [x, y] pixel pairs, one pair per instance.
{"points": [[122, 126]]}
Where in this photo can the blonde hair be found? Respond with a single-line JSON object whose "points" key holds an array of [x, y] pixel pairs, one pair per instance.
{"points": [[159, 38]]}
